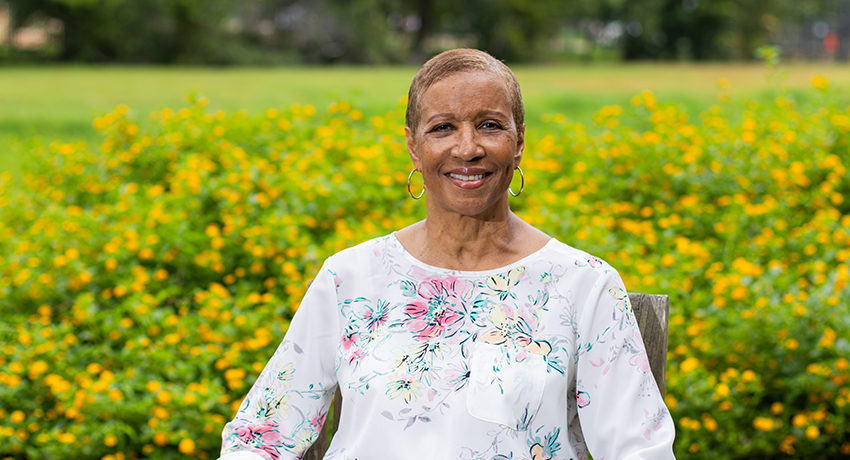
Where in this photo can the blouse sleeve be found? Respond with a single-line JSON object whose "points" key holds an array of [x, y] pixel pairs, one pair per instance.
{"points": [[620, 408], [285, 409]]}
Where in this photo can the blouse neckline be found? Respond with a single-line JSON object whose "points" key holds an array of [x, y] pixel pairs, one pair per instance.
{"points": [[470, 273]]}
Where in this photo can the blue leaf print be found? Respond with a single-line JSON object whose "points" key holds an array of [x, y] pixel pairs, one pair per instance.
{"points": [[408, 288]]}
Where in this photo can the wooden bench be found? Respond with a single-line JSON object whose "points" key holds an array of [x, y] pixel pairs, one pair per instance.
{"points": [[652, 313]]}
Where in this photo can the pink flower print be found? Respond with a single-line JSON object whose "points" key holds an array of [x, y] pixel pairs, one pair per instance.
{"points": [[582, 399], [653, 421], [263, 436], [349, 340], [592, 262], [317, 421], [439, 309], [641, 362], [357, 354]]}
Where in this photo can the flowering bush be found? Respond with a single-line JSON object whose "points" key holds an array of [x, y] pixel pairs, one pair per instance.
{"points": [[145, 282]]}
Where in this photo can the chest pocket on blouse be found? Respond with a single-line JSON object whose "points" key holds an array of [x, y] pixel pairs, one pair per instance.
{"points": [[504, 389]]}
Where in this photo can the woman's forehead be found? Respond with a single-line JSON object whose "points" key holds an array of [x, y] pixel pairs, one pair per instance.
{"points": [[462, 88]]}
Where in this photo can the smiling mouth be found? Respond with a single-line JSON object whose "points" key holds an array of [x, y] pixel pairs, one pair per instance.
{"points": [[468, 178]]}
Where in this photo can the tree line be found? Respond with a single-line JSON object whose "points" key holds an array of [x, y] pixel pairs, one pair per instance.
{"points": [[408, 31]]}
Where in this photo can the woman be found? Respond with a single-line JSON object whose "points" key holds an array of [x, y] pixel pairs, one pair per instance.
{"points": [[470, 334]]}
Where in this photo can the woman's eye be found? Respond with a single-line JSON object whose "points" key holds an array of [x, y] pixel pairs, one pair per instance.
{"points": [[442, 127], [490, 125]]}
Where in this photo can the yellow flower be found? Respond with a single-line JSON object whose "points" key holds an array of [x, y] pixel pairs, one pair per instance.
{"points": [[110, 440], [17, 417], [119, 291], [60, 261], [812, 432], [763, 423], [85, 277], [689, 364], [163, 397], [38, 367], [153, 386], [160, 439], [111, 264], [186, 446], [819, 82]]}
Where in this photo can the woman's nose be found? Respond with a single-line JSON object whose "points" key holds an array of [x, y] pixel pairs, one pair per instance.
{"points": [[468, 148]]}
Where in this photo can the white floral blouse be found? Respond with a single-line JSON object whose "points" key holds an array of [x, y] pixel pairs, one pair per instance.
{"points": [[541, 359]]}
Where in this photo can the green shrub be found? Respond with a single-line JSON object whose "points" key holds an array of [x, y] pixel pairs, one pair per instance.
{"points": [[145, 282]]}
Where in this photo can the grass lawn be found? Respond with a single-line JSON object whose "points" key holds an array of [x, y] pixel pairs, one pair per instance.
{"points": [[60, 102]]}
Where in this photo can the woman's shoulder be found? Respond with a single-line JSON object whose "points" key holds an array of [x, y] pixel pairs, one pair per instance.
{"points": [[364, 252], [563, 253]]}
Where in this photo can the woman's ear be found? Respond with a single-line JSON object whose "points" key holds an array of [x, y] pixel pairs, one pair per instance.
{"points": [[410, 137], [520, 144]]}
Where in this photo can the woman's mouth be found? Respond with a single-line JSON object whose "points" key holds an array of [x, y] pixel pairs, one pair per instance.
{"points": [[467, 178], [469, 181]]}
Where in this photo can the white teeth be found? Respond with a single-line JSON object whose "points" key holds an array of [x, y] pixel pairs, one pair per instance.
{"points": [[462, 177]]}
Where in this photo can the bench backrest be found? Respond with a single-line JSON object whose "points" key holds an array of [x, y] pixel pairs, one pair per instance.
{"points": [[652, 313]]}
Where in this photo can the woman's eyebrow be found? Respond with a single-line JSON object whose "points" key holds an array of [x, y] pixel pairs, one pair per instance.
{"points": [[497, 113], [438, 115], [486, 113]]}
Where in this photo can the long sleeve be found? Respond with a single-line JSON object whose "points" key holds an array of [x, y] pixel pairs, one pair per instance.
{"points": [[621, 410], [284, 410]]}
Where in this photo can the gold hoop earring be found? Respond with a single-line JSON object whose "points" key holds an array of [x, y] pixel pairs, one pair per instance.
{"points": [[522, 184], [410, 176]]}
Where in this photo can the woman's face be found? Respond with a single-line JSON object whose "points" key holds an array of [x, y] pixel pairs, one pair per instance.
{"points": [[467, 144]]}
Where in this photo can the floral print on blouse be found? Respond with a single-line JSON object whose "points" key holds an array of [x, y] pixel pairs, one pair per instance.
{"points": [[541, 359]]}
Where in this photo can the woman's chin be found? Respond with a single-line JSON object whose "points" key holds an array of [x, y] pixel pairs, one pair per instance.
{"points": [[473, 207]]}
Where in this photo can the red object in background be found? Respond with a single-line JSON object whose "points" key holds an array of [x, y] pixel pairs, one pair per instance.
{"points": [[830, 42]]}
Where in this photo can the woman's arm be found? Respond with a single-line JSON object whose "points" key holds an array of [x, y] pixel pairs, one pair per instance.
{"points": [[283, 412], [621, 410]]}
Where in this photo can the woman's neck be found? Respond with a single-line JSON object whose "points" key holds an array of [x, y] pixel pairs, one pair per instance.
{"points": [[468, 243]]}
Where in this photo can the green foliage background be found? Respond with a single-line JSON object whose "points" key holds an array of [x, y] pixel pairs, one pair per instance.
{"points": [[262, 32], [146, 279]]}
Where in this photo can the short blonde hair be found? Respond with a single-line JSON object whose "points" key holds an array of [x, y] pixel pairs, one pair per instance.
{"points": [[455, 61]]}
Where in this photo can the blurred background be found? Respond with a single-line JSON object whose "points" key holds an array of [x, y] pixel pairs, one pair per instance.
{"points": [[65, 62], [173, 172], [268, 32]]}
